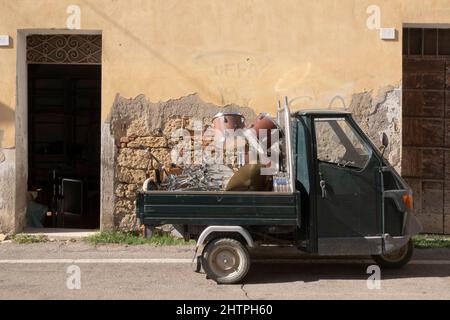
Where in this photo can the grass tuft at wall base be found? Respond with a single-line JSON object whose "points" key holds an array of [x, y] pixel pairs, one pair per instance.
{"points": [[134, 239]]}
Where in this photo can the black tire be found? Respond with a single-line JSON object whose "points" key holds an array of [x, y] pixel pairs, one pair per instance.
{"points": [[225, 260], [198, 265], [396, 259]]}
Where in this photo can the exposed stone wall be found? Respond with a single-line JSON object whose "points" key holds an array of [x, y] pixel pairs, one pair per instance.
{"points": [[134, 166], [138, 125]]}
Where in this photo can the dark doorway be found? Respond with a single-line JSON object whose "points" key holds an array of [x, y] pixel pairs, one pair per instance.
{"points": [[64, 143], [426, 124]]}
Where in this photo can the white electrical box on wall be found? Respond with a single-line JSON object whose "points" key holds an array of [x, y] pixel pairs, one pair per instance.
{"points": [[4, 41], [388, 34]]}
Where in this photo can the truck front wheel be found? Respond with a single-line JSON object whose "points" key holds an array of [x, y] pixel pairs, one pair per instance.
{"points": [[225, 260], [396, 259]]}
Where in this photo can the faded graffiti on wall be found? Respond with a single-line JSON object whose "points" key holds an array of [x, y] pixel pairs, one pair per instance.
{"points": [[233, 73]]}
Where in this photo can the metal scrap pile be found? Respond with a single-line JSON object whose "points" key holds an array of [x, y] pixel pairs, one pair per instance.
{"points": [[199, 178], [238, 174]]}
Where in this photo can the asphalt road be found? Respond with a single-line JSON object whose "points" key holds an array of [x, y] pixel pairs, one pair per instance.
{"points": [[39, 271]]}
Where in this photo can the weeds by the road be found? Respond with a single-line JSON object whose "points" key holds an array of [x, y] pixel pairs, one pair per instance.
{"points": [[163, 239], [26, 238], [430, 241], [134, 239]]}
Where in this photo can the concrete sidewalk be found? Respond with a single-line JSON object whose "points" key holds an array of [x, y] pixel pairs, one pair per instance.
{"points": [[60, 233]]}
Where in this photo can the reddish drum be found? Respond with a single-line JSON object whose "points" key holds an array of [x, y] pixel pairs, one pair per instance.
{"points": [[265, 121], [232, 120]]}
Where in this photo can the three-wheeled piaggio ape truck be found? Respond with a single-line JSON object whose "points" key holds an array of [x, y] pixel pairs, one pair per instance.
{"points": [[342, 198]]}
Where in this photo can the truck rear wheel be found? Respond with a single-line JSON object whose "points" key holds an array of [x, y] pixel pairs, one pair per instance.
{"points": [[225, 260], [396, 259]]}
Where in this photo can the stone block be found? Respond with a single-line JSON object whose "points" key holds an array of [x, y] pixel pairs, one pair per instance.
{"points": [[148, 142], [163, 155], [129, 223], [128, 191], [132, 158], [131, 176], [125, 206]]}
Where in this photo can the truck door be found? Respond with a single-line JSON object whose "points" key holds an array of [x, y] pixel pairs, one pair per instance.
{"points": [[347, 184]]}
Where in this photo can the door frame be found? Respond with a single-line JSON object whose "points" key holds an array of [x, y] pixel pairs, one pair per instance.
{"points": [[21, 124]]}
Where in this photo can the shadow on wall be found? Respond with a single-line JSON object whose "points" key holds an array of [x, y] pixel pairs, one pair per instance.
{"points": [[2, 155], [6, 115]]}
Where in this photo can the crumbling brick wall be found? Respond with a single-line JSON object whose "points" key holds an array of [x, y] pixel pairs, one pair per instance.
{"points": [[134, 166], [138, 127]]}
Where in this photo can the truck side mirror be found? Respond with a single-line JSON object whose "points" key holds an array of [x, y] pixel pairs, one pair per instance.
{"points": [[384, 140]]}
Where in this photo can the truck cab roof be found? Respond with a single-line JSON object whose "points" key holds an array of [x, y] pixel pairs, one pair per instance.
{"points": [[322, 112]]}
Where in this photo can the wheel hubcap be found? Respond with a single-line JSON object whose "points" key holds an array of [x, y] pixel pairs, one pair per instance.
{"points": [[224, 261]]}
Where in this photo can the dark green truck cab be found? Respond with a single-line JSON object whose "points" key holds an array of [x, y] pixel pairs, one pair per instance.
{"points": [[345, 200]]}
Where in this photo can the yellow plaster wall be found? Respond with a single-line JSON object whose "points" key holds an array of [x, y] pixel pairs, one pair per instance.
{"points": [[249, 52]]}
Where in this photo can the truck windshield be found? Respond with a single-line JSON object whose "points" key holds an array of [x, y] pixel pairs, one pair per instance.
{"points": [[338, 143]]}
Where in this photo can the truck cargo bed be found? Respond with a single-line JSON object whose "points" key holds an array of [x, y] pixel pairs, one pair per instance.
{"points": [[219, 208]]}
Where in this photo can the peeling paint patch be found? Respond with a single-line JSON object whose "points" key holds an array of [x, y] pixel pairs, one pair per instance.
{"points": [[141, 117], [7, 194], [139, 121], [378, 114]]}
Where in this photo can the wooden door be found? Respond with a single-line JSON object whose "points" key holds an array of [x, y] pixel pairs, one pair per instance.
{"points": [[426, 138]]}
